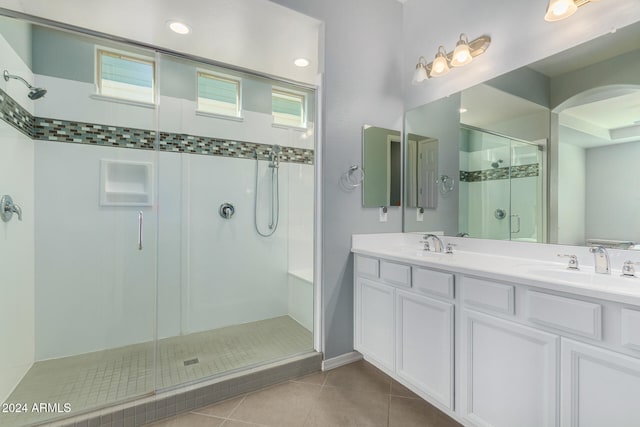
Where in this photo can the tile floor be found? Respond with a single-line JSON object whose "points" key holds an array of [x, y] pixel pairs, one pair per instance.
{"points": [[106, 377], [357, 394]]}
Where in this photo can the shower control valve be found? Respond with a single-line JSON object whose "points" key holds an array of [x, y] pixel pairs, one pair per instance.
{"points": [[227, 210]]}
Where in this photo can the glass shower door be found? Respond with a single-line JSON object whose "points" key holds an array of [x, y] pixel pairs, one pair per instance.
{"points": [[500, 187], [80, 289]]}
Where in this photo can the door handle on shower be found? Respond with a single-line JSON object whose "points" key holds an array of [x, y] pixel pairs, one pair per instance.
{"points": [[140, 219], [517, 218]]}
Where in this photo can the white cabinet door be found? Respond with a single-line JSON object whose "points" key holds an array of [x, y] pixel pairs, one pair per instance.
{"points": [[599, 387], [374, 327], [509, 373], [424, 345]]}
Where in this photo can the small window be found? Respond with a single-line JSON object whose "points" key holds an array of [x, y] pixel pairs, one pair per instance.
{"points": [[126, 77], [218, 94], [288, 108]]}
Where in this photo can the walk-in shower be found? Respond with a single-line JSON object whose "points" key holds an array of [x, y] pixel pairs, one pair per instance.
{"points": [[273, 190], [500, 187], [89, 315], [34, 92]]}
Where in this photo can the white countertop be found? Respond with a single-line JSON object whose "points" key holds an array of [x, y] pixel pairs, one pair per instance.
{"points": [[530, 264]]}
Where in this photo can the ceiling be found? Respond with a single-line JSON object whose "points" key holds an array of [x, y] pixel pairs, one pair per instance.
{"points": [[252, 34], [608, 116]]}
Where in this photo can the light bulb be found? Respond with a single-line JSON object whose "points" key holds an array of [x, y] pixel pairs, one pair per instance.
{"points": [[461, 54], [440, 66], [560, 9], [420, 74]]}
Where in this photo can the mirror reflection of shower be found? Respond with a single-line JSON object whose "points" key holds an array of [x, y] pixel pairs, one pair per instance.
{"points": [[274, 199], [34, 92]]}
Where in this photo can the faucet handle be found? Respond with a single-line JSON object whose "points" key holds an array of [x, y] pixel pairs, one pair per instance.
{"points": [[629, 268], [426, 246], [449, 249], [573, 261]]}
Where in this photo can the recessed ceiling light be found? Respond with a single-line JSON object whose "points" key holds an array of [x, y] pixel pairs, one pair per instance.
{"points": [[301, 62], [463, 110], [179, 27]]}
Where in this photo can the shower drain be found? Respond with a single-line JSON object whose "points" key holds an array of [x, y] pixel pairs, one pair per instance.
{"points": [[191, 362]]}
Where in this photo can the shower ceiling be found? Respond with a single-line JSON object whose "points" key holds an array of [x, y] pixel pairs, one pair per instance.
{"points": [[253, 34]]}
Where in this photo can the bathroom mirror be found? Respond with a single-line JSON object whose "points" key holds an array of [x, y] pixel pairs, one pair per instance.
{"points": [[545, 153], [421, 171], [382, 164]]}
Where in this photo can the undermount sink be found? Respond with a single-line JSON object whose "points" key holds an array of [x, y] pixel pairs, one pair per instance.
{"points": [[587, 277]]}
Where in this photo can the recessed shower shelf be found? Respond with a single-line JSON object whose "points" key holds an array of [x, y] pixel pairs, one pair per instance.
{"points": [[125, 183]]}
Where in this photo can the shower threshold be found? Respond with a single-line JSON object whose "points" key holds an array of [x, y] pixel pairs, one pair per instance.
{"points": [[109, 377]]}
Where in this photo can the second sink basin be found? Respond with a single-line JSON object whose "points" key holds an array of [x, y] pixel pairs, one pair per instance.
{"points": [[586, 277]]}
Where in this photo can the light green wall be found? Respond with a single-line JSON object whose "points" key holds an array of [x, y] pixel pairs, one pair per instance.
{"points": [[18, 35], [176, 76], [376, 166], [526, 84], [622, 69]]}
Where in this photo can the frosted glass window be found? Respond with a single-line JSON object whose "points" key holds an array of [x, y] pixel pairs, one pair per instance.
{"points": [[218, 95], [125, 77], [288, 108]]}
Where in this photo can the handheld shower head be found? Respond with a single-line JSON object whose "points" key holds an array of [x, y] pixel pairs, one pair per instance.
{"points": [[34, 92]]}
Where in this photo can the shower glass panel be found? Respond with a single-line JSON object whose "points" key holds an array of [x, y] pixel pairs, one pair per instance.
{"points": [[235, 284], [78, 305], [150, 243], [500, 187]]}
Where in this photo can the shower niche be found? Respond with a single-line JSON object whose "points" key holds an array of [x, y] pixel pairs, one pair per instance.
{"points": [[125, 183]]}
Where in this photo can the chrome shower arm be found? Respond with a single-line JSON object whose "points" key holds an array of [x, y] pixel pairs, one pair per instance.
{"points": [[8, 76]]}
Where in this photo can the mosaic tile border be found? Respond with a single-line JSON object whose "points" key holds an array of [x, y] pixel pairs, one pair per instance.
{"points": [[15, 115], [46, 129], [521, 171]]}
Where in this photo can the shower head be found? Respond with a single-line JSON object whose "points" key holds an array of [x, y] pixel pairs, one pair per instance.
{"points": [[34, 92], [496, 165], [276, 149]]}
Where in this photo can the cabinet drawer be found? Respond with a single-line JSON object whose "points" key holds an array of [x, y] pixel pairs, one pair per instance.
{"points": [[433, 282], [630, 332], [368, 267], [488, 295], [565, 314], [395, 274]]}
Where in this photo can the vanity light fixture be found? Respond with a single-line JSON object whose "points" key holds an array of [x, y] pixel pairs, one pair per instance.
{"points": [[562, 9], [464, 53], [178, 27]]}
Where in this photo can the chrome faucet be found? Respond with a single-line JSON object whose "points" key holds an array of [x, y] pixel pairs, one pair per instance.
{"points": [[601, 259], [437, 243], [8, 208]]}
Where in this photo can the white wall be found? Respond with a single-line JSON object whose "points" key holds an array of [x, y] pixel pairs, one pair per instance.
{"points": [[572, 179], [16, 238], [211, 272]]}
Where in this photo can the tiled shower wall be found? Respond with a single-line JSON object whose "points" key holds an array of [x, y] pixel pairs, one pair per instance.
{"points": [[85, 265], [16, 237]]}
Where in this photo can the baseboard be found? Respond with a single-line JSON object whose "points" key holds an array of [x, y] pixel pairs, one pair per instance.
{"points": [[343, 359]]}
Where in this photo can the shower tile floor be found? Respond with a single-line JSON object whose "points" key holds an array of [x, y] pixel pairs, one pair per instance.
{"points": [[109, 376]]}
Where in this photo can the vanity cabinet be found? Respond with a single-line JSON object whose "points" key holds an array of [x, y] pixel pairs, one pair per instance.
{"points": [[374, 320], [499, 353], [402, 330], [508, 373], [424, 344], [599, 387]]}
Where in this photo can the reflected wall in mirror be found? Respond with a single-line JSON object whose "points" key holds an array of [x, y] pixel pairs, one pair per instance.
{"points": [[547, 152], [382, 164], [422, 171]]}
